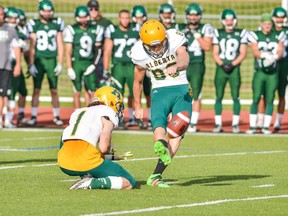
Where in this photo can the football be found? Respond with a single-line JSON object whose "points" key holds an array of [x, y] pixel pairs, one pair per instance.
{"points": [[178, 125]]}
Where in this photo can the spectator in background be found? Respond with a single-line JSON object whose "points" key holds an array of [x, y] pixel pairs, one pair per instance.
{"points": [[8, 40], [118, 43], [17, 19], [267, 47], [88, 138], [199, 37], [229, 50], [83, 51], [139, 16], [46, 44]]}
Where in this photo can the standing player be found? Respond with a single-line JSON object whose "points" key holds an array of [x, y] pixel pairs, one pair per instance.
{"points": [[118, 42], [46, 44], [164, 55], [139, 16], [279, 17], [8, 43], [167, 15], [16, 18], [199, 40], [83, 51], [267, 48], [229, 50], [88, 127]]}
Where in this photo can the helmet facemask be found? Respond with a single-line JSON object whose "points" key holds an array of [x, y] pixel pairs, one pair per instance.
{"points": [[155, 50]]}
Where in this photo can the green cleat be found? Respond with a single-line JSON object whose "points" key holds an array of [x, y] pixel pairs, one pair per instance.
{"points": [[155, 180], [162, 152]]}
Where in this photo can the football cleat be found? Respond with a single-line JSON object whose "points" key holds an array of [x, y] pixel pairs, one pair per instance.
{"points": [[32, 121], [58, 121], [132, 123], [251, 131], [266, 131], [9, 124], [84, 183], [192, 128], [235, 129], [155, 180], [162, 152], [217, 129]]}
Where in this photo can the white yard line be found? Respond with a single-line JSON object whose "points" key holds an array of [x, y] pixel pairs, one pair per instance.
{"points": [[154, 158], [189, 205]]}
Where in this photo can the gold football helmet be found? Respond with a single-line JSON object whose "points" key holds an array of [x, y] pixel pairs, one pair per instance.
{"points": [[111, 97], [153, 36]]}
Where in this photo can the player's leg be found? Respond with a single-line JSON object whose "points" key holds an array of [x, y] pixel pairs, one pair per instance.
{"points": [[282, 83], [53, 85], [5, 79], [37, 84], [270, 88], [235, 83], [197, 71], [220, 81], [77, 83], [22, 100], [257, 90]]}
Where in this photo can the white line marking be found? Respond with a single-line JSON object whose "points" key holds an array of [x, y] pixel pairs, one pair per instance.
{"points": [[215, 202], [28, 139], [263, 186], [154, 158]]}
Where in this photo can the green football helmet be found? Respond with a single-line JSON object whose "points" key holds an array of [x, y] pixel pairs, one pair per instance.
{"points": [[82, 11], [46, 5], [166, 9], [195, 9], [11, 12], [138, 11], [229, 14], [279, 12], [22, 15]]}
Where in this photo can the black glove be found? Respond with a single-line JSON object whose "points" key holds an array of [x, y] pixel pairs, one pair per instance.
{"points": [[227, 67]]}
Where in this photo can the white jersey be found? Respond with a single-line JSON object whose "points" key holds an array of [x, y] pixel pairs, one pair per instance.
{"points": [[85, 123], [157, 67]]}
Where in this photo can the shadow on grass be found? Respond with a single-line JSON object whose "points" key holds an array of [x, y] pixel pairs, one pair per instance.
{"points": [[28, 161], [217, 180]]}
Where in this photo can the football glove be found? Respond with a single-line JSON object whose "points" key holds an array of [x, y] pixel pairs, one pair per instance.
{"points": [[32, 70], [90, 69], [195, 33], [123, 156], [58, 69], [227, 67], [71, 73]]}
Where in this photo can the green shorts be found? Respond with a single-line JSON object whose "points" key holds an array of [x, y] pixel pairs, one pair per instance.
{"points": [[195, 75], [169, 99]]}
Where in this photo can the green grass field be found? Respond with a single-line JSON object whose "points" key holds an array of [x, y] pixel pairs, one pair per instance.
{"points": [[211, 175]]}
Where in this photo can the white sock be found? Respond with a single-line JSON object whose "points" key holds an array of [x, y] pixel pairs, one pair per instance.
{"points": [[279, 118], [235, 120], [116, 182], [56, 112], [21, 110], [9, 116], [260, 119], [34, 111], [267, 121], [149, 113], [218, 120], [253, 120], [131, 115], [194, 118]]}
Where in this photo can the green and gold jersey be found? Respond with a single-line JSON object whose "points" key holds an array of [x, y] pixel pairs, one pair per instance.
{"points": [[268, 43], [229, 43], [83, 40], [122, 43], [196, 54], [46, 36]]}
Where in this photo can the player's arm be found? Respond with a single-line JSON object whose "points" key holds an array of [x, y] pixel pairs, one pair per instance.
{"points": [[280, 49], [17, 68], [60, 47], [105, 137], [215, 54], [139, 74], [108, 46], [205, 43], [68, 49], [242, 55], [32, 48]]}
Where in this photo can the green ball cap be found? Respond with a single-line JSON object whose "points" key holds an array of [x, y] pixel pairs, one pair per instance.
{"points": [[266, 17]]}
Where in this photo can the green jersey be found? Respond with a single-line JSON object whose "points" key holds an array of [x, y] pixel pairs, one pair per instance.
{"points": [[266, 43], [83, 40], [229, 43], [46, 36], [178, 26], [122, 43], [285, 53], [196, 54]]}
